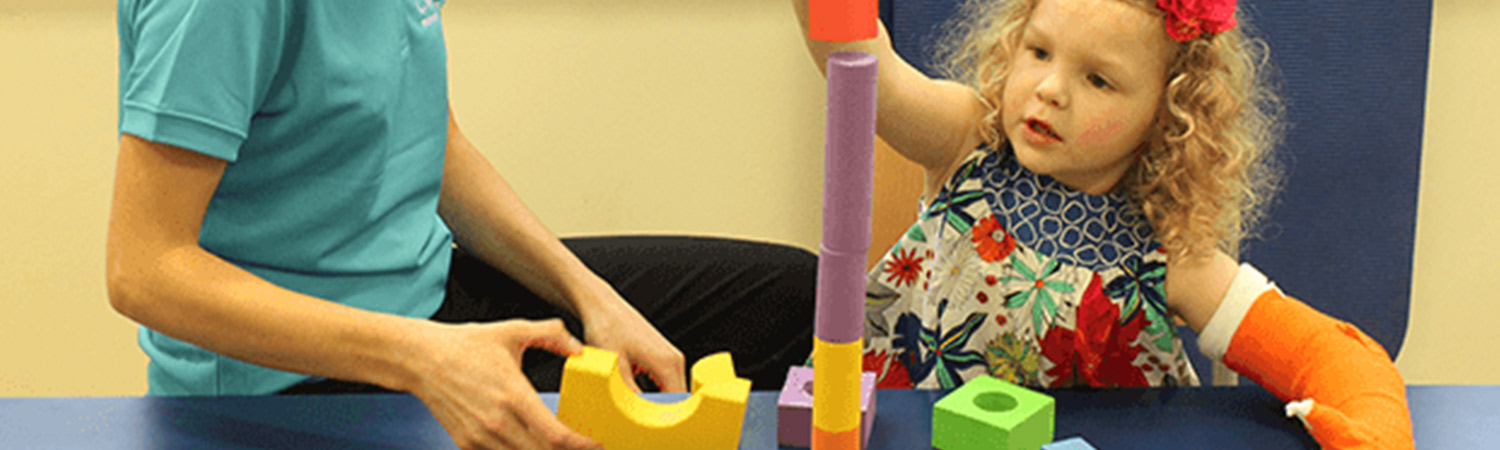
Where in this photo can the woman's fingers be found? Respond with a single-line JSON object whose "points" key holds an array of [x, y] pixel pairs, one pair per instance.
{"points": [[550, 335], [668, 373]]}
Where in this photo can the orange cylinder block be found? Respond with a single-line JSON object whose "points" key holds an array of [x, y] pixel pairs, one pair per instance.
{"points": [[842, 20]]}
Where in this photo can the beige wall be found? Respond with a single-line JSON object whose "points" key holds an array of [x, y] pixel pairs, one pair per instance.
{"points": [[1453, 336], [58, 335], [660, 116], [615, 117]]}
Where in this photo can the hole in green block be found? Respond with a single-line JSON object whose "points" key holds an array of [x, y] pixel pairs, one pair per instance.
{"points": [[995, 402]]}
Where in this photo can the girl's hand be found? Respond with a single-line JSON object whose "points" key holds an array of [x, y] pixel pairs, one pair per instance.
{"points": [[469, 376], [610, 323]]}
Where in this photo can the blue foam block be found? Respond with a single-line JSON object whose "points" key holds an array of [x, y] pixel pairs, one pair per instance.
{"points": [[1072, 443]]}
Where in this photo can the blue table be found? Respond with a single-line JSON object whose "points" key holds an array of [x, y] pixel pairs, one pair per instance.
{"points": [[1458, 417]]}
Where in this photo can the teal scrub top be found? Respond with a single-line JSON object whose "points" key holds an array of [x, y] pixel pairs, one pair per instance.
{"points": [[333, 117]]}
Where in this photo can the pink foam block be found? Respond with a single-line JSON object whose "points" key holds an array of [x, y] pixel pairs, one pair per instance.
{"points": [[794, 408]]}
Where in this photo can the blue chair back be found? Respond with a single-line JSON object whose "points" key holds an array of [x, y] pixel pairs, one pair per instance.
{"points": [[1353, 78]]}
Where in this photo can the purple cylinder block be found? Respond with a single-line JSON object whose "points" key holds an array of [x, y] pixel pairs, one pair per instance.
{"points": [[849, 149], [840, 314], [848, 181]]}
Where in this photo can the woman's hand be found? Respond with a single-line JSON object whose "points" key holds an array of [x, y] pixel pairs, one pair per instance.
{"points": [[469, 376], [610, 323]]}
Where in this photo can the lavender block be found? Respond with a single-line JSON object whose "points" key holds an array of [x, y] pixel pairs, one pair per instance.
{"points": [[794, 408]]}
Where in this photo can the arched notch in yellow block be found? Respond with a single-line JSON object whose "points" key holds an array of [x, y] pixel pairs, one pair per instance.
{"points": [[596, 402]]}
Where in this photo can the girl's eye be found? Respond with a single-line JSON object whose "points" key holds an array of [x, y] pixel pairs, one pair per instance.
{"points": [[1039, 53], [1098, 82]]}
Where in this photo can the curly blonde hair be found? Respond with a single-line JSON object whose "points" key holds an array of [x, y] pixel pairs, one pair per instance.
{"points": [[1205, 175]]}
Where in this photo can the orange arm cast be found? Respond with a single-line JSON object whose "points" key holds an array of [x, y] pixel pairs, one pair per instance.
{"points": [[1358, 399]]}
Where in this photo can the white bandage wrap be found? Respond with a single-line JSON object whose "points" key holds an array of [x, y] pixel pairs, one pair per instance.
{"points": [[1247, 286], [1300, 410]]}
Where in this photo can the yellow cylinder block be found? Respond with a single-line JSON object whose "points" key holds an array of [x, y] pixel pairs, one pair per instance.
{"points": [[836, 369]]}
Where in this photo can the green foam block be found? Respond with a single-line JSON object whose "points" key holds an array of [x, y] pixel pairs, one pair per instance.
{"points": [[989, 413]]}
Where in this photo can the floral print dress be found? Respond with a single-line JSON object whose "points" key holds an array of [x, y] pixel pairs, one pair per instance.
{"points": [[1012, 274]]}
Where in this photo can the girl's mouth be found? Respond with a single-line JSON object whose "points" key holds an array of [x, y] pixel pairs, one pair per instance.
{"points": [[1042, 128]]}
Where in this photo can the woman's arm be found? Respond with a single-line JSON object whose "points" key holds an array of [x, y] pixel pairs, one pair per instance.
{"points": [[930, 122], [488, 218], [159, 276]]}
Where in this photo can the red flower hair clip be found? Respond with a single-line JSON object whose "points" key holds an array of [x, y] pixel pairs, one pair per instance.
{"points": [[1187, 19]]}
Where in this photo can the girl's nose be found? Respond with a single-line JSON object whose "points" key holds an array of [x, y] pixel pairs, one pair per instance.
{"points": [[1050, 91]]}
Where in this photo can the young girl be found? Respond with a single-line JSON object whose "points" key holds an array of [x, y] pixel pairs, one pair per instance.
{"points": [[1089, 176]]}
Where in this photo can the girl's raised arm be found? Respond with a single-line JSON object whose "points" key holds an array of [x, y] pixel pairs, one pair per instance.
{"points": [[930, 122]]}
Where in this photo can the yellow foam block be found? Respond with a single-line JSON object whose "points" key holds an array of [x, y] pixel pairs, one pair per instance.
{"points": [[836, 383], [715, 368], [596, 402]]}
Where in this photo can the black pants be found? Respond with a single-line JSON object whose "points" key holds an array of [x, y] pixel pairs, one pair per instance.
{"points": [[705, 295]]}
